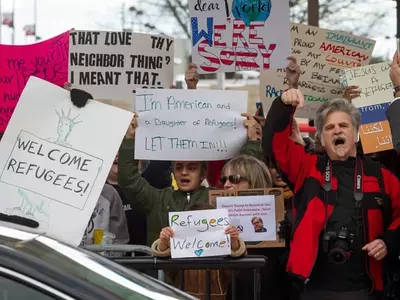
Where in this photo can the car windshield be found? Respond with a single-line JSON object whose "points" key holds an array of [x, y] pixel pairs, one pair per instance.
{"points": [[95, 270]]}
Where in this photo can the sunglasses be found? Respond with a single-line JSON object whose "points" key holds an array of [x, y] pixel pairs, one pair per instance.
{"points": [[235, 179]]}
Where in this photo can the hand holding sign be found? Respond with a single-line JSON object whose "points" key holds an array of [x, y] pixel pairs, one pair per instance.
{"points": [[68, 86], [352, 92], [192, 77], [165, 236], [130, 133], [293, 72], [234, 233], [253, 127]]}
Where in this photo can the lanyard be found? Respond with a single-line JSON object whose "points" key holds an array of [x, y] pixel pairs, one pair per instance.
{"points": [[358, 193]]}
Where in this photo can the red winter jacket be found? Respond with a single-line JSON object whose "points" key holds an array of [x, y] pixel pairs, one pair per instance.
{"points": [[305, 175]]}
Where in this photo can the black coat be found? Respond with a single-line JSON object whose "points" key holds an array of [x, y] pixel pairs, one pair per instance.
{"points": [[392, 287]]}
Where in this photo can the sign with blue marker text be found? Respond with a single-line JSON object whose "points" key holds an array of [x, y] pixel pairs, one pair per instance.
{"points": [[112, 65], [321, 55], [200, 233], [190, 124], [53, 164], [239, 35]]}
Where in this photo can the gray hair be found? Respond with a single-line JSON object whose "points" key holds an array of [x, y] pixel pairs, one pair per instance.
{"points": [[337, 105]]}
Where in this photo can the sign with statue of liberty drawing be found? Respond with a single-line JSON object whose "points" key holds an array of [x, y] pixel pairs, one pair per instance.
{"points": [[55, 158], [239, 35]]}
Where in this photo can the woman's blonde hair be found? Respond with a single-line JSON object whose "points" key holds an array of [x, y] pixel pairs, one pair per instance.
{"points": [[254, 170]]}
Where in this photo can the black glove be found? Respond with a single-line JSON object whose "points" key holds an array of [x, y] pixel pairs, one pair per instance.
{"points": [[284, 229], [19, 220], [79, 97]]}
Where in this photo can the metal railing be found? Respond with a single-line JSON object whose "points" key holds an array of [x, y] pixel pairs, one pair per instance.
{"points": [[119, 248], [253, 262]]}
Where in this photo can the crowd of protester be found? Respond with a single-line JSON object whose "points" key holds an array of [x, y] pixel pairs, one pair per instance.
{"points": [[342, 207]]}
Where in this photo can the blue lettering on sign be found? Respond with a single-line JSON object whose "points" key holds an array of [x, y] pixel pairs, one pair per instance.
{"points": [[271, 92], [251, 10], [196, 36]]}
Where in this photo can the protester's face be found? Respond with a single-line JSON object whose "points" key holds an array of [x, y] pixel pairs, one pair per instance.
{"points": [[278, 182], [233, 181], [188, 175], [258, 225], [338, 136]]}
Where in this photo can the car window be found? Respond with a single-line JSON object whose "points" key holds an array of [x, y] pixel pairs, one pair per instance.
{"points": [[14, 290], [97, 271]]}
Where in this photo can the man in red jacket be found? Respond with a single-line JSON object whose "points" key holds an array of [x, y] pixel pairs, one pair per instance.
{"points": [[347, 207]]}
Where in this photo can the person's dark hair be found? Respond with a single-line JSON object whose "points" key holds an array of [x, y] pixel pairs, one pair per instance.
{"points": [[203, 167], [200, 206], [270, 162]]}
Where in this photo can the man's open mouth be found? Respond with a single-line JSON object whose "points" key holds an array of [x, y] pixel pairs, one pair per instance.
{"points": [[339, 141]]}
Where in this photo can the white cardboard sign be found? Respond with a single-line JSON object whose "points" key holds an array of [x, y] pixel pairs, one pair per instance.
{"points": [[200, 233], [112, 65], [254, 216], [190, 124], [235, 35], [53, 160]]}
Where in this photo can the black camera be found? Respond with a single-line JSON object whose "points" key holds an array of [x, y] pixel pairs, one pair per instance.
{"points": [[338, 245]]}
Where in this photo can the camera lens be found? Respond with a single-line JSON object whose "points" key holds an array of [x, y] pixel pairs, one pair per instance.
{"points": [[338, 256]]}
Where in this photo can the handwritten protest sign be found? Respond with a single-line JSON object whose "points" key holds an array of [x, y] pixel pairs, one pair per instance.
{"points": [[200, 233], [321, 55], [47, 60], [374, 81], [53, 166], [112, 65], [190, 124], [239, 35], [376, 90], [254, 216]]}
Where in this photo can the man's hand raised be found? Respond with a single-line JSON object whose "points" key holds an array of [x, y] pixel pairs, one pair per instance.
{"points": [[293, 97]]}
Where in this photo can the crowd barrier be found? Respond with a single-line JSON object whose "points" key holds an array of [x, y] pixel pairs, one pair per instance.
{"points": [[206, 263], [148, 262]]}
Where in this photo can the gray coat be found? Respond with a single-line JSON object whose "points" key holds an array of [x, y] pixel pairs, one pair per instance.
{"points": [[108, 215]]}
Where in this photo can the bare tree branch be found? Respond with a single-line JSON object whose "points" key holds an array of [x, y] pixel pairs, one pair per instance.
{"points": [[178, 18], [183, 7], [360, 17]]}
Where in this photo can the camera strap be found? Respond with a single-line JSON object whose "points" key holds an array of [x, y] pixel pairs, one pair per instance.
{"points": [[358, 192]]}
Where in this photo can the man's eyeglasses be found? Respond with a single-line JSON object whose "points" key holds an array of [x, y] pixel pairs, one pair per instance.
{"points": [[235, 179]]}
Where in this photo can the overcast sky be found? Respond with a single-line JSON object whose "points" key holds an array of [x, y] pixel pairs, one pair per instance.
{"points": [[55, 17]]}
